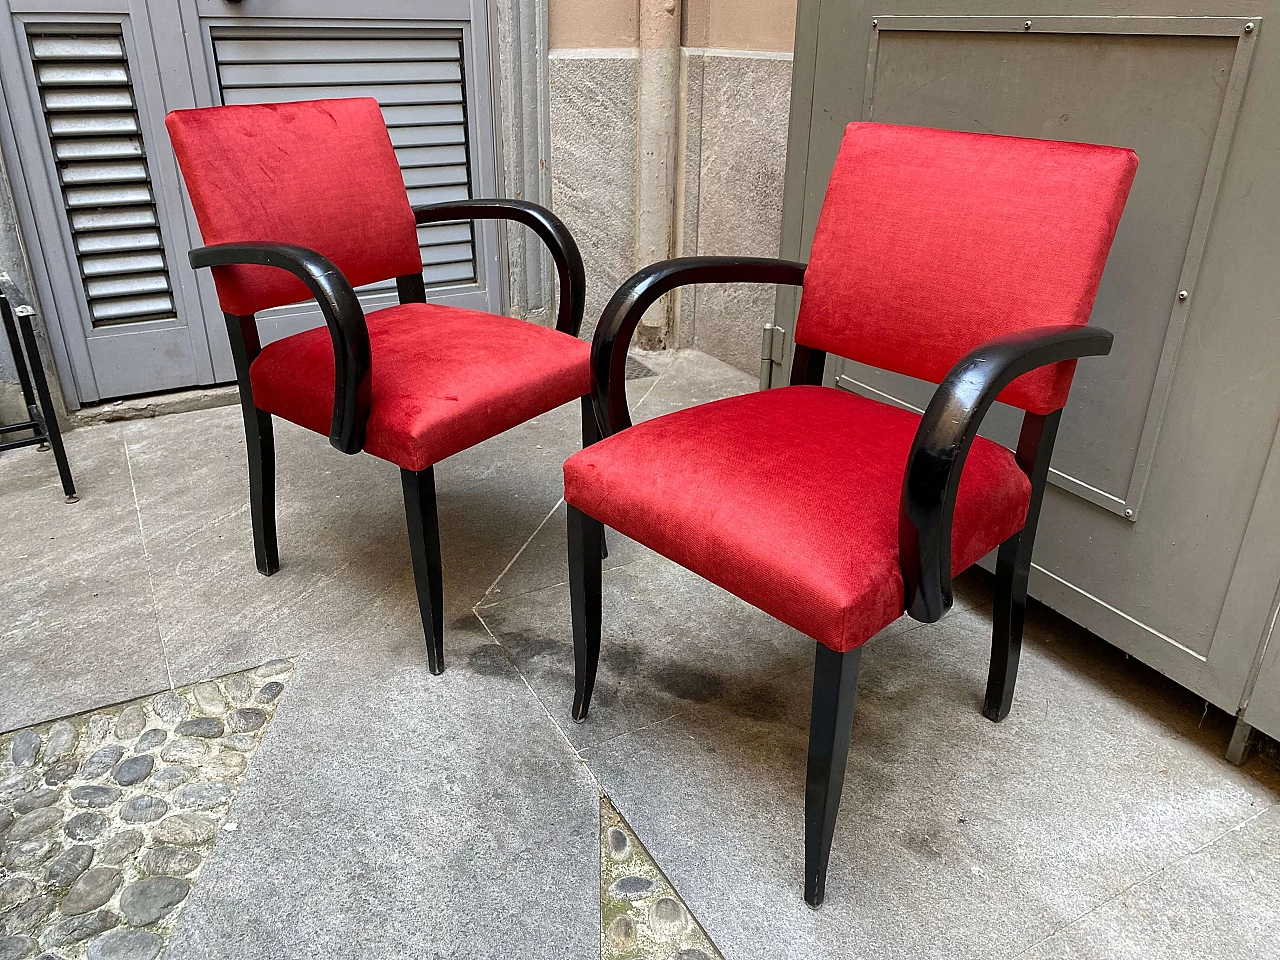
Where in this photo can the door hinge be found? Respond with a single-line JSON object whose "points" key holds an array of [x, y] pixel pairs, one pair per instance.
{"points": [[773, 341]]}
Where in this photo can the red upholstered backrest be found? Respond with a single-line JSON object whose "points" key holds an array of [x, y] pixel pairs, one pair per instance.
{"points": [[931, 242], [320, 174]]}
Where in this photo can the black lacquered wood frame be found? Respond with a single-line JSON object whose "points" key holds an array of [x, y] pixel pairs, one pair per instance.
{"points": [[344, 318], [929, 488]]}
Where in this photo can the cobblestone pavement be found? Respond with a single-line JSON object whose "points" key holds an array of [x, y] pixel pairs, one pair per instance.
{"points": [[107, 817], [641, 914]]}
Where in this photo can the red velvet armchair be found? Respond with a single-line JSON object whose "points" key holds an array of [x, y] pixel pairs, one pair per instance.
{"points": [[966, 260], [302, 200]]}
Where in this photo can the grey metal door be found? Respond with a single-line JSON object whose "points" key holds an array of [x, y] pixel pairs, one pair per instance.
{"points": [[1151, 534], [97, 190], [86, 86], [427, 64]]}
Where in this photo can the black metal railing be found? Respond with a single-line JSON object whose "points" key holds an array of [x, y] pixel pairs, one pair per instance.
{"points": [[17, 312]]}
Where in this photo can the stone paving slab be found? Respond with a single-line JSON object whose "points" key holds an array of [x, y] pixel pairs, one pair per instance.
{"points": [[74, 585], [106, 818], [1219, 901], [342, 533]]}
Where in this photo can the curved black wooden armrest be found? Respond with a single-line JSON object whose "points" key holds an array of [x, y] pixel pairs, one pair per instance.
{"points": [[342, 314], [549, 227], [942, 442], [635, 296]]}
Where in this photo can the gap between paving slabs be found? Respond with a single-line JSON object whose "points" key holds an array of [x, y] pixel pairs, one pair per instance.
{"points": [[107, 817]]}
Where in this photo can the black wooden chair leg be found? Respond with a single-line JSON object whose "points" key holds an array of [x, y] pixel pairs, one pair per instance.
{"points": [[261, 446], [1013, 567], [1006, 627], [835, 689], [590, 435], [584, 594], [424, 547]]}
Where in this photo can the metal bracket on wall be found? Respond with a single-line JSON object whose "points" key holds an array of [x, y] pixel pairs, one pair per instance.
{"points": [[773, 344]]}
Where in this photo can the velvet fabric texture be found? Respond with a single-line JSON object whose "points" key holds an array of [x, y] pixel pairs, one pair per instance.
{"points": [[931, 242], [442, 379], [788, 498], [320, 174]]}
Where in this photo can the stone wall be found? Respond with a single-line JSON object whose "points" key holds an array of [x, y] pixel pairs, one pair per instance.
{"points": [[593, 163], [732, 119], [734, 157]]}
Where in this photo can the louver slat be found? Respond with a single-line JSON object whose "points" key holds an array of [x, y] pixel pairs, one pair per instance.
{"points": [[264, 74], [119, 219], [106, 186], [107, 266], [295, 50], [90, 172], [418, 83], [118, 242], [102, 148], [87, 99]]}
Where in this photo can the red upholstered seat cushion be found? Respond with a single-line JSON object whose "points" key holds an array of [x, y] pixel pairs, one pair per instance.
{"points": [[931, 242], [788, 498], [442, 379]]}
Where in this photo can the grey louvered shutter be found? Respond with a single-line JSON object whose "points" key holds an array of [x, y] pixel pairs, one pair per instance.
{"points": [[87, 97], [417, 81]]}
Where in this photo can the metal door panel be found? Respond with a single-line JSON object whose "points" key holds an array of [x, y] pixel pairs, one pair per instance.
{"points": [[1097, 89], [458, 10]]}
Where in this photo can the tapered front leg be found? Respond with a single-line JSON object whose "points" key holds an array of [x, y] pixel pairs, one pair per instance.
{"points": [[1013, 567], [261, 446], [1006, 628], [835, 689], [584, 596], [424, 548]]}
